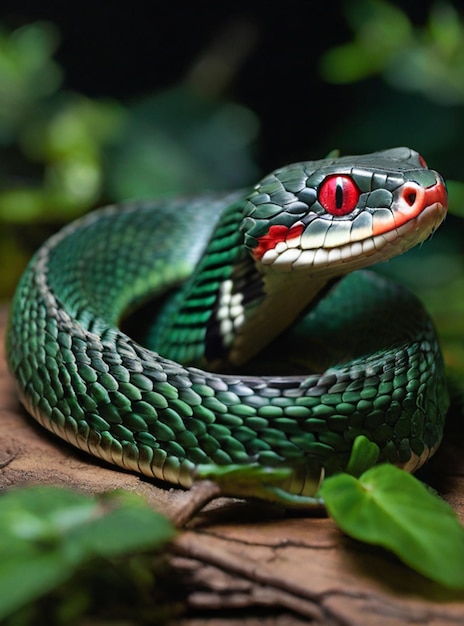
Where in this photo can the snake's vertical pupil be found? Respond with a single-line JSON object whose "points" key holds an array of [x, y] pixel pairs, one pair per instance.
{"points": [[338, 195]]}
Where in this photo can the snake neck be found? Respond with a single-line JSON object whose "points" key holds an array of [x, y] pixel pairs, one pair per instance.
{"points": [[283, 299], [230, 308]]}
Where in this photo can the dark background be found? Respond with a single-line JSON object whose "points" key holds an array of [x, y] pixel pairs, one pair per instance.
{"points": [[129, 49]]}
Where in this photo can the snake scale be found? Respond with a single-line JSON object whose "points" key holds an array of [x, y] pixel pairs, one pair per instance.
{"points": [[225, 333]]}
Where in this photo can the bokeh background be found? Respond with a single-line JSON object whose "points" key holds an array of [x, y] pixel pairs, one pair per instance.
{"points": [[102, 102]]}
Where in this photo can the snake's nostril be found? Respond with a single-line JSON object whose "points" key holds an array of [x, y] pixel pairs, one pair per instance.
{"points": [[411, 197]]}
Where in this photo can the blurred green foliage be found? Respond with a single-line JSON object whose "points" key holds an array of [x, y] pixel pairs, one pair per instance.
{"points": [[428, 59], [54, 540], [401, 83], [51, 145], [55, 140], [180, 141], [64, 153]]}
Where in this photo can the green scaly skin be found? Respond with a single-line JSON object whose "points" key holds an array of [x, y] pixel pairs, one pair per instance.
{"points": [[237, 275]]}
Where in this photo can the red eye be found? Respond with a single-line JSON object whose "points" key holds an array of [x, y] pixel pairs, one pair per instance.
{"points": [[339, 194]]}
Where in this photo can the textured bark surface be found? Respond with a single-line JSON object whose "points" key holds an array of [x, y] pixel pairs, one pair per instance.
{"points": [[248, 564]]}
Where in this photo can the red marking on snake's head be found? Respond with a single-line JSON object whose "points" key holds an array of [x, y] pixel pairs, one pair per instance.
{"points": [[412, 201], [276, 234]]}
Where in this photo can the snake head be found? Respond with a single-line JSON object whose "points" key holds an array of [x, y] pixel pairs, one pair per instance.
{"points": [[340, 214]]}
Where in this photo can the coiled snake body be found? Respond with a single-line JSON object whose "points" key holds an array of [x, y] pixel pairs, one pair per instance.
{"points": [[236, 285]]}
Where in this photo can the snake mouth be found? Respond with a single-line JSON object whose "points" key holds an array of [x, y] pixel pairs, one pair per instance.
{"points": [[372, 235]]}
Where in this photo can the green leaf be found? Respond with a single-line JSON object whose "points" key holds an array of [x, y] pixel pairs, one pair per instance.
{"points": [[388, 507], [26, 577], [364, 455], [132, 526], [46, 534]]}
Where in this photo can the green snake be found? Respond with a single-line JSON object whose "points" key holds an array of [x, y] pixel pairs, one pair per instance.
{"points": [[225, 336]]}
